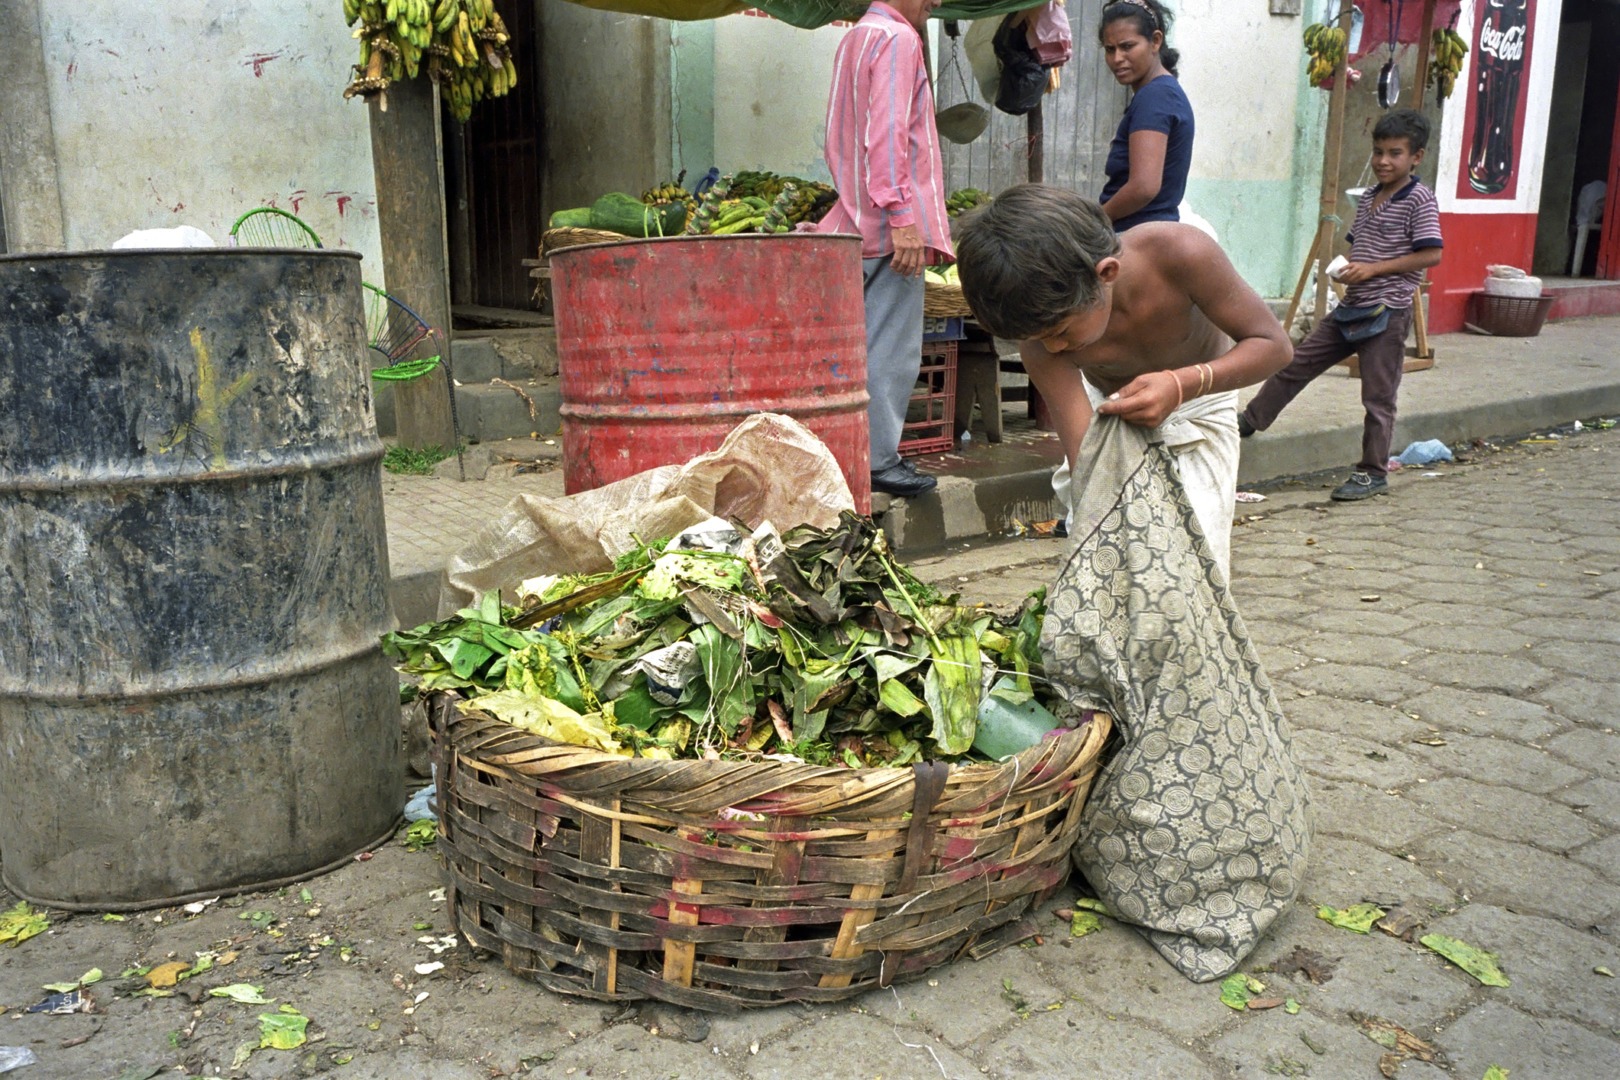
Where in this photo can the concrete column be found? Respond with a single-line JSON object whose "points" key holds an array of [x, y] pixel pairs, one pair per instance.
{"points": [[30, 199]]}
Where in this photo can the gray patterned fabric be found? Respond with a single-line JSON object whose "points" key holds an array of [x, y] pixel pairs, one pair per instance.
{"points": [[1198, 828]]}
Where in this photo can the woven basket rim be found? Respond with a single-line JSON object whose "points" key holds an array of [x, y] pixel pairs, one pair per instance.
{"points": [[944, 300], [514, 743], [567, 236]]}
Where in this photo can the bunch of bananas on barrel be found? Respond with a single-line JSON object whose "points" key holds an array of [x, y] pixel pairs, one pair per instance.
{"points": [[671, 191], [722, 212], [463, 43], [1327, 46], [811, 198], [964, 199], [1447, 50]]}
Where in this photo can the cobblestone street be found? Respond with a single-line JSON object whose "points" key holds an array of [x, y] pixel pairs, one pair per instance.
{"points": [[1448, 656]]}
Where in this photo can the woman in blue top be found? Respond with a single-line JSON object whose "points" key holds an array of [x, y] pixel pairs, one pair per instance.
{"points": [[1152, 150]]}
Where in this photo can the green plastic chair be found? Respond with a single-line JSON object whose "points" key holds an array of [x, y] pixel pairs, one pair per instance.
{"points": [[392, 329], [267, 226]]}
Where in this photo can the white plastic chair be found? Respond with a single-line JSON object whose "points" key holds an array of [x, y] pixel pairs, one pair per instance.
{"points": [[1588, 216]]}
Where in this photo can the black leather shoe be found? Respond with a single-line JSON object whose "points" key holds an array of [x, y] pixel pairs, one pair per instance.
{"points": [[903, 482]]}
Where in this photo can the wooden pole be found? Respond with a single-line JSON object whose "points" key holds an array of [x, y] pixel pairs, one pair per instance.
{"points": [[1321, 248], [1035, 125], [1420, 317]]}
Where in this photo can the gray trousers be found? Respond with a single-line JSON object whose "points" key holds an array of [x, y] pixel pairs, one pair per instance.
{"points": [[894, 329]]}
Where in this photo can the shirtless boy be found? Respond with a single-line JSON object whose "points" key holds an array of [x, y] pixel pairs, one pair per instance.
{"points": [[1154, 327]]}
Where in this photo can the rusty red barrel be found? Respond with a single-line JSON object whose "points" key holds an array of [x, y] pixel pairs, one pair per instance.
{"points": [[666, 345]]}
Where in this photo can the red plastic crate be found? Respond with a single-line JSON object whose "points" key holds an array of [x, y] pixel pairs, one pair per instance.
{"points": [[927, 429]]}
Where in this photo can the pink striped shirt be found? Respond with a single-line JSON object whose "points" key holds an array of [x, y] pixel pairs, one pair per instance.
{"points": [[882, 148]]}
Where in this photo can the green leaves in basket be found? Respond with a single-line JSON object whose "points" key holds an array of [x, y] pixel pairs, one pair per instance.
{"points": [[815, 645]]}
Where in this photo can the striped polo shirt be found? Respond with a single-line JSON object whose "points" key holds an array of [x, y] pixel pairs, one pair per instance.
{"points": [[1407, 221]]}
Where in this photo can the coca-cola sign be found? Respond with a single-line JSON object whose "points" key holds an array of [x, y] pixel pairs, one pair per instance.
{"points": [[1496, 90], [1503, 44]]}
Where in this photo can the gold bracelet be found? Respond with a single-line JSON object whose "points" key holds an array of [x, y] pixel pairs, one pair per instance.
{"points": [[1206, 380], [1179, 392]]}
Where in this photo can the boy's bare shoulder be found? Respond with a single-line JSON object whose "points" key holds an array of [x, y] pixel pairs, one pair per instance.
{"points": [[1170, 239]]}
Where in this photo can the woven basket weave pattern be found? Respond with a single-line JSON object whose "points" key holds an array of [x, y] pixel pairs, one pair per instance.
{"points": [[716, 885], [942, 300], [557, 239]]}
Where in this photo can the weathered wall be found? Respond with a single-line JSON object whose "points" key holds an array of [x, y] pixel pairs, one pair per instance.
{"points": [[1258, 152], [32, 208], [607, 89], [770, 95], [192, 113]]}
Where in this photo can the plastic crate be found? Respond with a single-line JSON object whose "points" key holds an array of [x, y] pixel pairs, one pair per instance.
{"points": [[949, 328], [932, 413], [1512, 316]]}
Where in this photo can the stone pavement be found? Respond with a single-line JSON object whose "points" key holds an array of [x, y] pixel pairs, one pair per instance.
{"points": [[1480, 387], [1450, 658]]}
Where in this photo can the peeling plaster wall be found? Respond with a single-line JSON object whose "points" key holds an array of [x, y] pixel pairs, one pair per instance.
{"points": [[197, 112], [1258, 151]]}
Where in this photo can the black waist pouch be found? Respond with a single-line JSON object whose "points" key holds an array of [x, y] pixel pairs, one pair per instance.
{"points": [[1361, 323]]}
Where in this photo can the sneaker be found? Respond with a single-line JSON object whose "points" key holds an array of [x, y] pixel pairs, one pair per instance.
{"points": [[1360, 486], [903, 482], [1245, 429]]}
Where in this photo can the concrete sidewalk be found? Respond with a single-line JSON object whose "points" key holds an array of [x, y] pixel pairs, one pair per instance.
{"points": [[1479, 387]]}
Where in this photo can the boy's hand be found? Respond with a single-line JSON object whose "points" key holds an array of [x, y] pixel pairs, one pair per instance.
{"points": [[1147, 400], [1355, 273]]}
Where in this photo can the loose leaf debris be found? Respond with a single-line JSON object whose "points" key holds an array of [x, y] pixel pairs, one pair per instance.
{"points": [[1359, 918], [94, 975], [242, 993], [1495, 1072], [816, 645], [20, 923], [1477, 962], [418, 835], [1309, 963], [1082, 923], [1401, 922], [1238, 989], [283, 1029], [1401, 1044]]}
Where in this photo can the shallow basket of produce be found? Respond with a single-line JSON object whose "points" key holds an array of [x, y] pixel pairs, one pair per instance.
{"points": [[715, 884]]}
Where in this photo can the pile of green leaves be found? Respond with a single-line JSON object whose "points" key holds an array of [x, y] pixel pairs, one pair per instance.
{"points": [[817, 644]]}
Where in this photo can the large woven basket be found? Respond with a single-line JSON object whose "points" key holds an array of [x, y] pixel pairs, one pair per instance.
{"points": [[715, 884], [943, 300]]}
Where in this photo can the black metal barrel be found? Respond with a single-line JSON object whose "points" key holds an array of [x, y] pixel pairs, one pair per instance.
{"points": [[193, 575]]}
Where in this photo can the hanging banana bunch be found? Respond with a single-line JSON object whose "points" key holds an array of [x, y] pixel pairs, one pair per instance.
{"points": [[463, 43], [1327, 47], [1447, 49]]}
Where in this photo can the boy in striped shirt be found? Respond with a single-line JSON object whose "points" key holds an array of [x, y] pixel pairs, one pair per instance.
{"points": [[1396, 236]]}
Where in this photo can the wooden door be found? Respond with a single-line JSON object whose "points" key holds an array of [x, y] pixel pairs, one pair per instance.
{"points": [[1079, 119], [493, 167]]}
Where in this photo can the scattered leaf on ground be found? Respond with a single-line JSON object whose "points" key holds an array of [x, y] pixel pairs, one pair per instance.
{"points": [[422, 926], [261, 920], [1291, 1006], [1309, 963], [88, 978], [242, 993], [20, 923], [1400, 1043], [429, 968], [1019, 1003], [1477, 962], [166, 975], [1496, 1072], [243, 1052], [1083, 923], [282, 1030], [1237, 989], [306, 896], [419, 834], [1605, 972], [1359, 918], [139, 1072], [1401, 922], [1316, 1048], [1265, 1003], [110, 917]]}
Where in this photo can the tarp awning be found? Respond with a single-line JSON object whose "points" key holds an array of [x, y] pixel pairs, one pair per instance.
{"points": [[805, 14]]}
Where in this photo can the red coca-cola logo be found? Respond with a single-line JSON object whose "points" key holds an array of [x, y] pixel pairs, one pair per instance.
{"points": [[1502, 44]]}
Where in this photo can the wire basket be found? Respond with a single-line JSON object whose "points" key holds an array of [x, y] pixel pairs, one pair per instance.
{"points": [[1512, 316], [719, 884]]}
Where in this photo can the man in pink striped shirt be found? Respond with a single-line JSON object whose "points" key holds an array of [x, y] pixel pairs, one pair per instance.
{"points": [[883, 153]]}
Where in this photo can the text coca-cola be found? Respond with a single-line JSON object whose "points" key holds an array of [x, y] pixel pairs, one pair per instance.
{"points": [[1498, 71]]}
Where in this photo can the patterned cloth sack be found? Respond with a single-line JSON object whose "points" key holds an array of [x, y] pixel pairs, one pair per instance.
{"points": [[1198, 829]]}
